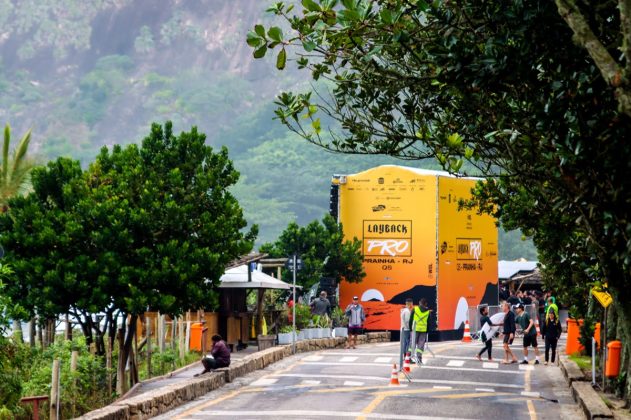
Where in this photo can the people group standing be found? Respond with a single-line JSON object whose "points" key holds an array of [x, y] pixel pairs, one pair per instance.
{"points": [[530, 333]]}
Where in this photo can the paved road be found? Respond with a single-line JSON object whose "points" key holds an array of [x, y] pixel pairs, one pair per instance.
{"points": [[342, 384]]}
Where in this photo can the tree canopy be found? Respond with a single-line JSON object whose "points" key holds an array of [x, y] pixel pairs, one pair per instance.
{"points": [[533, 94], [149, 227], [323, 250]]}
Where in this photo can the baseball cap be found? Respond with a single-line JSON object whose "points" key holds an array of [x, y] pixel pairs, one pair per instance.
{"points": [[519, 306], [355, 298]]}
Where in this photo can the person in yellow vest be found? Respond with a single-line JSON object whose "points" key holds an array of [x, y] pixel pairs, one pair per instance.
{"points": [[552, 306], [421, 321]]}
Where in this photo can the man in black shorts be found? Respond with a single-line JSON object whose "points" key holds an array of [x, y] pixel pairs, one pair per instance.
{"points": [[530, 333], [509, 334]]}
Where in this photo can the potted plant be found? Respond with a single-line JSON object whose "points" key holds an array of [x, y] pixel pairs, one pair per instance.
{"points": [[340, 322], [323, 326], [303, 321], [285, 335]]}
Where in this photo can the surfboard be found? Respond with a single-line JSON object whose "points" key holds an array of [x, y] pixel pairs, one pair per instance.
{"points": [[495, 319]]}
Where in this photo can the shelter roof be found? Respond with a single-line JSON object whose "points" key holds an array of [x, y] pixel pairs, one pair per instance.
{"points": [[237, 278]]}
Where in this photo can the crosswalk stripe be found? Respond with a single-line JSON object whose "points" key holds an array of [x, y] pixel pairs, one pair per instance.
{"points": [[348, 359], [353, 383], [490, 365], [313, 358], [383, 359], [526, 367], [310, 382], [456, 363], [264, 382]]}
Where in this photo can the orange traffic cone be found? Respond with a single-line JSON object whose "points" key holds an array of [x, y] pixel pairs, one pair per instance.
{"points": [[466, 338], [394, 377], [537, 326], [406, 363]]}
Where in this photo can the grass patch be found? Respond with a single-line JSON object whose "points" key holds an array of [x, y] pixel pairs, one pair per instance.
{"points": [[583, 362]]}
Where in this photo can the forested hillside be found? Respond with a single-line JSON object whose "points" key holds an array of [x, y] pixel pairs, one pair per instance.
{"points": [[98, 72]]}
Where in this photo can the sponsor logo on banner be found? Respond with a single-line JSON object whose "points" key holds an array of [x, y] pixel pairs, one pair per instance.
{"points": [[468, 248], [392, 238]]}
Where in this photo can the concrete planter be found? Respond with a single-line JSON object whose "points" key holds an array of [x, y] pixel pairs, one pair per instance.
{"points": [[340, 332], [310, 333], [326, 332], [286, 338]]}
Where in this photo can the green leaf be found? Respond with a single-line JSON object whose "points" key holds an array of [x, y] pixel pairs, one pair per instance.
{"points": [[311, 6], [260, 53], [309, 45], [281, 60], [275, 33], [253, 39], [260, 30], [316, 125]]}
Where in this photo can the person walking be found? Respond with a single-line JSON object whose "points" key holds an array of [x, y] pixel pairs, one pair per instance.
{"points": [[551, 331], [219, 355], [509, 334], [356, 317], [406, 315], [530, 333], [420, 320], [488, 341]]}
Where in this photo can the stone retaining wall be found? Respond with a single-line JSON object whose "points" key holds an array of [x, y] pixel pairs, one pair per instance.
{"points": [[162, 400]]}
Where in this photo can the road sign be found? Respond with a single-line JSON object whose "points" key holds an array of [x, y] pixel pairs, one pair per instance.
{"points": [[604, 298], [289, 264]]}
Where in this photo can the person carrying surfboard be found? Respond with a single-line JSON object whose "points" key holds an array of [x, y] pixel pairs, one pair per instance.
{"points": [[488, 341], [509, 334]]}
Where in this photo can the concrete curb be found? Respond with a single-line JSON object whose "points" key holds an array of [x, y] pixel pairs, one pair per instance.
{"points": [[162, 400], [587, 398]]}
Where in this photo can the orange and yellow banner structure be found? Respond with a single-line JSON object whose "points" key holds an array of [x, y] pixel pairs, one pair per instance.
{"points": [[416, 244]]}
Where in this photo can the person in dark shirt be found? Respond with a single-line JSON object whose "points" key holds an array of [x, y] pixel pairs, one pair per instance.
{"points": [[488, 341], [509, 334], [551, 331], [219, 355]]}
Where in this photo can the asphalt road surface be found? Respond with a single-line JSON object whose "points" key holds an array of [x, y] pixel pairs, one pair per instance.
{"points": [[342, 384]]}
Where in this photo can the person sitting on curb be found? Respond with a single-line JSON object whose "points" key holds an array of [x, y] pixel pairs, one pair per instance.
{"points": [[219, 356]]}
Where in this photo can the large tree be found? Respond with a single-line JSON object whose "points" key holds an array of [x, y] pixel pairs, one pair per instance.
{"points": [[149, 227], [323, 250], [535, 95]]}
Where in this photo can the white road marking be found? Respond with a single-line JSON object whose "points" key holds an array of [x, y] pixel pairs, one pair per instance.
{"points": [[383, 359], [385, 380], [313, 358], [456, 363], [442, 387], [353, 383], [485, 389], [264, 382], [490, 365], [311, 413], [348, 359], [424, 366], [531, 394], [526, 367], [310, 382]]}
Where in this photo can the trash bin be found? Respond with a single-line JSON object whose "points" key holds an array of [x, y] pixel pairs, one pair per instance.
{"points": [[612, 365], [196, 336], [573, 345]]}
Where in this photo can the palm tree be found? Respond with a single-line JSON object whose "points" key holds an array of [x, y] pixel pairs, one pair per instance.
{"points": [[15, 179], [15, 173]]}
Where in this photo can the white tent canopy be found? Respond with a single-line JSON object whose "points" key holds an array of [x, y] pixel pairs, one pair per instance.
{"points": [[237, 278]]}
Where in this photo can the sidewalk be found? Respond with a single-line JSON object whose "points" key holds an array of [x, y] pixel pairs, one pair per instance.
{"points": [[180, 374], [593, 401]]}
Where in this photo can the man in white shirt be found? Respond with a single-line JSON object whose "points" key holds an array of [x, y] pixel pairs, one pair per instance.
{"points": [[406, 321]]}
